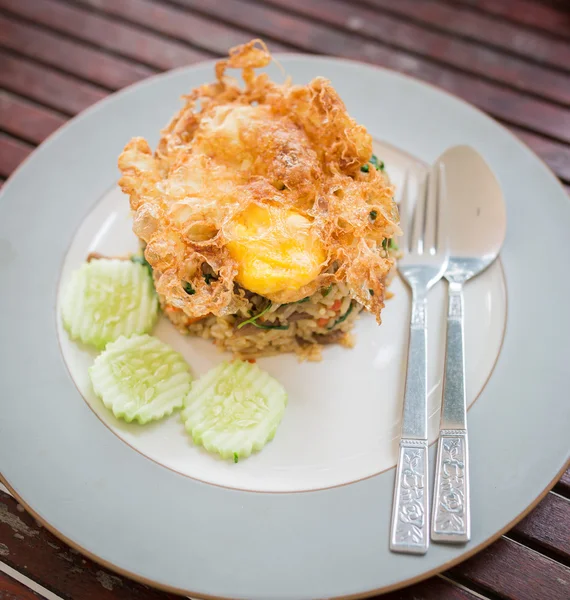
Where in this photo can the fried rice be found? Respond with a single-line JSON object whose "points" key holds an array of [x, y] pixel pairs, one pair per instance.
{"points": [[302, 327]]}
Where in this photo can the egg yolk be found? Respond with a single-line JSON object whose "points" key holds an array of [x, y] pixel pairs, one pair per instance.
{"points": [[275, 249]]}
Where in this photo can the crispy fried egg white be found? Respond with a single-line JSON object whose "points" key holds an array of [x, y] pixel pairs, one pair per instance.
{"points": [[262, 187]]}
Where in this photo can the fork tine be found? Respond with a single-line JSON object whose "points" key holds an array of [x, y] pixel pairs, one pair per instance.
{"points": [[417, 237], [441, 239], [404, 209], [431, 217]]}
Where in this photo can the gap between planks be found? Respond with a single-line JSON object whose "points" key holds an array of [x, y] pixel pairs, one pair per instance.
{"points": [[527, 14], [473, 592], [29, 583]]}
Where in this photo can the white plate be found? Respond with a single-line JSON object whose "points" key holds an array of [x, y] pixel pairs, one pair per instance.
{"points": [[343, 420], [170, 526]]}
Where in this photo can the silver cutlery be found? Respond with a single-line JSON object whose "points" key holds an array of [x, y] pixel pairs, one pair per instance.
{"points": [[476, 222], [423, 264]]}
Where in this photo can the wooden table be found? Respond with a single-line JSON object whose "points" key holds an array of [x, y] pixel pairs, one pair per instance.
{"points": [[509, 57]]}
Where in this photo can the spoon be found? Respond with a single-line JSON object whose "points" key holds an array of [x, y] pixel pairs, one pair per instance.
{"points": [[476, 224]]}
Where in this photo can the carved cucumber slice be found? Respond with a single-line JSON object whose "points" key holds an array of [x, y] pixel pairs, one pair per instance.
{"points": [[107, 298], [140, 378], [234, 409]]}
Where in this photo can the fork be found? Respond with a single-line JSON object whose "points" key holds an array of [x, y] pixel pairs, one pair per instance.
{"points": [[423, 264]]}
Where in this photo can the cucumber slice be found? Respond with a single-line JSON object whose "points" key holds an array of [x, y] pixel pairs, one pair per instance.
{"points": [[140, 378], [107, 298], [234, 409]]}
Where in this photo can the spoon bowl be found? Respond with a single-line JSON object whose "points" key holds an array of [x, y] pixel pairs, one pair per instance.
{"points": [[476, 217]]}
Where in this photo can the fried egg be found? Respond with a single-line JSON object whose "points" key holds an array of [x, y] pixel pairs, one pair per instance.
{"points": [[275, 249], [265, 188]]}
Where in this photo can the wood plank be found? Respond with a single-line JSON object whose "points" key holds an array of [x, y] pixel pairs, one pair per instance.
{"points": [[460, 21], [12, 153], [193, 28], [436, 588], [10, 589], [554, 154], [27, 120], [547, 526], [103, 32], [455, 52], [48, 87], [77, 59], [515, 572], [564, 484], [35, 552], [532, 14], [313, 37]]}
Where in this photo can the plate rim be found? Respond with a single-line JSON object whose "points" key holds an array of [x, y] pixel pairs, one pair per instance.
{"points": [[368, 594], [150, 80]]}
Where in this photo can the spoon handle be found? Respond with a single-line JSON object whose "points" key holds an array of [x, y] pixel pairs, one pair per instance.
{"points": [[451, 507]]}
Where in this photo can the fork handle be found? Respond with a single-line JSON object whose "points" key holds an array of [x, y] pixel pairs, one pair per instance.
{"points": [[409, 530], [410, 510], [451, 505]]}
